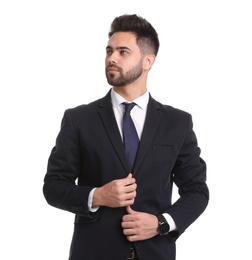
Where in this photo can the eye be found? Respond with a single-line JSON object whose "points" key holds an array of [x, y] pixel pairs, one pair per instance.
{"points": [[109, 52], [123, 52]]}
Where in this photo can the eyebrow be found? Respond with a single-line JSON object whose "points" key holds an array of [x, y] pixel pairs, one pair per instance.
{"points": [[119, 48]]}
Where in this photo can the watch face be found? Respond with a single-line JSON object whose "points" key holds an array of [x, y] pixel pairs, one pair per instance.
{"points": [[164, 228]]}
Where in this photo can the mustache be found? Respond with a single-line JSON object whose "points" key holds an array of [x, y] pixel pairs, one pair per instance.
{"points": [[113, 66]]}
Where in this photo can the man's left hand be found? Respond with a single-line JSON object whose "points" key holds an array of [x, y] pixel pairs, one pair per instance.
{"points": [[139, 225]]}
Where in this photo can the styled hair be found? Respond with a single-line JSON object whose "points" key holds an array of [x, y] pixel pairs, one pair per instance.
{"points": [[147, 37]]}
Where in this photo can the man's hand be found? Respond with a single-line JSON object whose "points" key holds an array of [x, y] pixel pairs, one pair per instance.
{"points": [[138, 225], [117, 193]]}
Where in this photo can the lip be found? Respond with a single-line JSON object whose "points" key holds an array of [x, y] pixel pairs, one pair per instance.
{"points": [[111, 70]]}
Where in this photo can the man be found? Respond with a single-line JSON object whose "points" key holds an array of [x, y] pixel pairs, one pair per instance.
{"points": [[126, 150]]}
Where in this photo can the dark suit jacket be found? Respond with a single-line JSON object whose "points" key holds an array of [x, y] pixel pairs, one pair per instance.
{"points": [[89, 148]]}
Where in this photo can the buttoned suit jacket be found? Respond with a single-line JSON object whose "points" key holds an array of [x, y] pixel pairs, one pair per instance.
{"points": [[89, 150]]}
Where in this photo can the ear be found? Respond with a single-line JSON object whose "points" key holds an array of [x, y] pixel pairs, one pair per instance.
{"points": [[148, 61]]}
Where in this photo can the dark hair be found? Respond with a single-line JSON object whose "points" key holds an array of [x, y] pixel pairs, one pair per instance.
{"points": [[147, 37]]}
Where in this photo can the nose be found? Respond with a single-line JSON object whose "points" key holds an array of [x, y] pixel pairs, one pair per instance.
{"points": [[112, 58]]}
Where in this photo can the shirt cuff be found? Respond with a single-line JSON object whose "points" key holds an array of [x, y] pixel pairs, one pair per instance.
{"points": [[90, 201], [170, 221]]}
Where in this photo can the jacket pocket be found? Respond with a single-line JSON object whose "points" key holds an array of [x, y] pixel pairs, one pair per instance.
{"points": [[165, 146]]}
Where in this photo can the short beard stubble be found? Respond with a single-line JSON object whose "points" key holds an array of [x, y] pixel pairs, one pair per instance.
{"points": [[124, 79]]}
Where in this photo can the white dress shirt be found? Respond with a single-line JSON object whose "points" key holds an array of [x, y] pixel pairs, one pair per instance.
{"points": [[138, 115]]}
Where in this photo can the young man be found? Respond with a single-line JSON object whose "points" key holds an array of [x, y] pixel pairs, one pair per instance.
{"points": [[127, 150]]}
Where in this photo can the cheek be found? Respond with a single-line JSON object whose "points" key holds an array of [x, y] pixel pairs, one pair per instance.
{"points": [[106, 61]]}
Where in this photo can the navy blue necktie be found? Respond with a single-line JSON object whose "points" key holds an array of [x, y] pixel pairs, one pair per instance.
{"points": [[131, 139]]}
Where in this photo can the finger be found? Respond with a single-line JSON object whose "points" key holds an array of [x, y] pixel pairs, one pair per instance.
{"points": [[130, 210], [129, 176], [130, 218], [130, 188], [133, 238], [128, 202], [128, 224], [128, 181], [130, 196], [129, 232]]}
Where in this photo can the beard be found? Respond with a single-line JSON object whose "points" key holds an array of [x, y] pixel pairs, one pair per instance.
{"points": [[124, 79]]}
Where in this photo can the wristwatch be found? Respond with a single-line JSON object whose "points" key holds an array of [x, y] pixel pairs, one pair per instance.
{"points": [[163, 226]]}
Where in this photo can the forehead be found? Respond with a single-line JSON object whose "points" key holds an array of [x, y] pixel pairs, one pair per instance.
{"points": [[123, 39]]}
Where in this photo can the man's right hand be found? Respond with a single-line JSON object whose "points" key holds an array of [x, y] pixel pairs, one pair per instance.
{"points": [[117, 193]]}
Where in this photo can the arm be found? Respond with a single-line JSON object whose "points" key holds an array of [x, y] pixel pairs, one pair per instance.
{"points": [[64, 167], [189, 175]]}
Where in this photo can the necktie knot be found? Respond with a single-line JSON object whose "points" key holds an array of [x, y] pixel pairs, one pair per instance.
{"points": [[128, 106]]}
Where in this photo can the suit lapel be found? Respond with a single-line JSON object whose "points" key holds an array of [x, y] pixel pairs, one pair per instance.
{"points": [[153, 116], [107, 116]]}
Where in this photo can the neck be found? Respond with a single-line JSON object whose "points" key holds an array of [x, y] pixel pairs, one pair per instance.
{"points": [[128, 93], [132, 91]]}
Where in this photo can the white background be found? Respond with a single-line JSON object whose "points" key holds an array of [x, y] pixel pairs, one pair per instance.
{"points": [[52, 58]]}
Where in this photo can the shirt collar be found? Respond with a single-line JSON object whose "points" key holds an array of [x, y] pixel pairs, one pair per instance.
{"points": [[141, 101]]}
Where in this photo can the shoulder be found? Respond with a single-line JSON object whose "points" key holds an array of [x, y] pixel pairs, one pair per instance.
{"points": [[91, 107], [86, 112], [176, 111], [170, 111], [175, 117], [82, 113], [85, 108]]}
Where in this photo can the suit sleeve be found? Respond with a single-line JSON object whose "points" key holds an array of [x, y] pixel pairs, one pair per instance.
{"points": [[64, 167], [189, 174]]}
